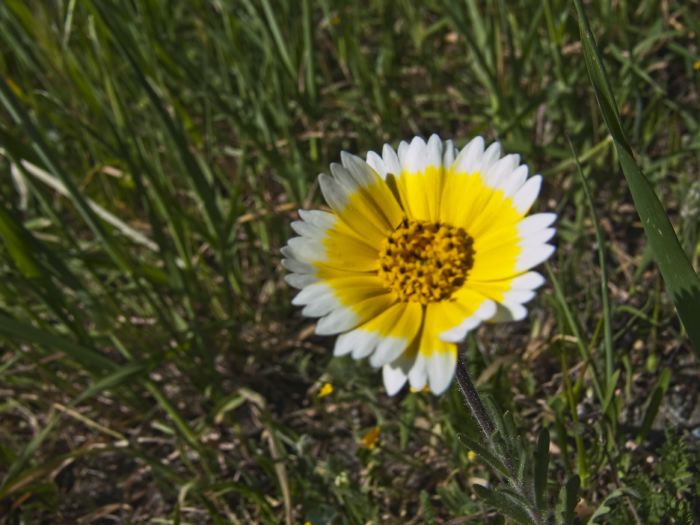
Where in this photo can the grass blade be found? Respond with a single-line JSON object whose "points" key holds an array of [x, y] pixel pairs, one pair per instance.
{"points": [[21, 331], [22, 118], [604, 295], [680, 278]]}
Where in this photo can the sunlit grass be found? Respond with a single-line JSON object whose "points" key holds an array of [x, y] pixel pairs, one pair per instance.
{"points": [[164, 376]]}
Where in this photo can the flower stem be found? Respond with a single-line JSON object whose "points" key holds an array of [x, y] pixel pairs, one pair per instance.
{"points": [[482, 417], [471, 396]]}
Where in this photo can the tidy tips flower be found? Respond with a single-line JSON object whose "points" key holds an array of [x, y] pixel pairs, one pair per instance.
{"points": [[422, 245]]}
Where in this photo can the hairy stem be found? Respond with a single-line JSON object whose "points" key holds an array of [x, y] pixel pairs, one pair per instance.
{"points": [[471, 396], [482, 417]]}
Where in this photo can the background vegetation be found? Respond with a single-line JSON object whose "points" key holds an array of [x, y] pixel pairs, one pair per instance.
{"points": [[153, 155]]}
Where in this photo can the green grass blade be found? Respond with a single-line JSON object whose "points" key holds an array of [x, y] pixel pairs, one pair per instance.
{"points": [[280, 41], [171, 125], [22, 118], [308, 52], [604, 295], [681, 280], [21, 331], [17, 245], [481, 67], [573, 326]]}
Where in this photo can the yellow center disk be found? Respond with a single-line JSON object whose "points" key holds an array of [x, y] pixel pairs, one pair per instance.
{"points": [[425, 262]]}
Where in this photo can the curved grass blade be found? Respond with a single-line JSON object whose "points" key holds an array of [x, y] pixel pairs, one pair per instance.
{"points": [[681, 280]]}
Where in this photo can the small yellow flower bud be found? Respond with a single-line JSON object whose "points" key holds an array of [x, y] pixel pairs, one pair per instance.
{"points": [[369, 440], [326, 390]]}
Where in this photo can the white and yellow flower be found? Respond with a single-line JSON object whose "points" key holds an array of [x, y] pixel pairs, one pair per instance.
{"points": [[420, 247]]}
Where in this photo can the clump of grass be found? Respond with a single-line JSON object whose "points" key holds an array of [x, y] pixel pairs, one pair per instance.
{"points": [[153, 369]]}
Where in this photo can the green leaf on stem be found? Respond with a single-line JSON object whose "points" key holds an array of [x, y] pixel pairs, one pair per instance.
{"points": [[568, 498], [505, 504], [541, 466], [654, 404], [486, 455]]}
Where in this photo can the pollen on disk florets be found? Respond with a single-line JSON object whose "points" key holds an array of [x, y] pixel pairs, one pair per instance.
{"points": [[425, 262]]}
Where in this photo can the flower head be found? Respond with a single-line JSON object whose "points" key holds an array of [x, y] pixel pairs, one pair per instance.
{"points": [[420, 247]]}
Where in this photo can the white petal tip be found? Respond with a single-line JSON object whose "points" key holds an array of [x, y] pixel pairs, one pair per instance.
{"points": [[525, 197], [441, 369], [394, 379], [534, 255]]}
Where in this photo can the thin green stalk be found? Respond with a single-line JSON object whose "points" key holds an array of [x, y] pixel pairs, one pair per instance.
{"points": [[604, 294], [573, 326]]}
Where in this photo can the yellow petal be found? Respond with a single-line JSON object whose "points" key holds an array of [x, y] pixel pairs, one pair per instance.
{"points": [[369, 440], [361, 200], [352, 289], [420, 192], [326, 390]]}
